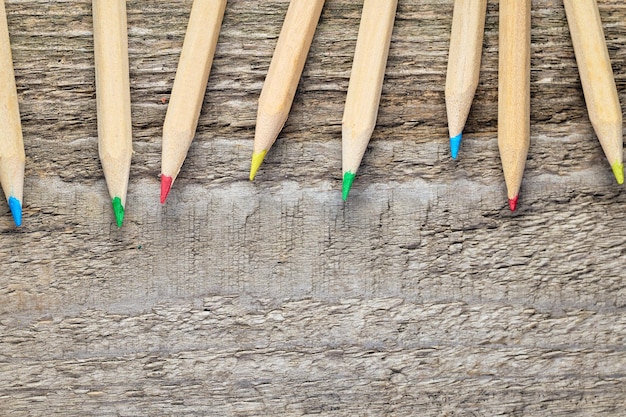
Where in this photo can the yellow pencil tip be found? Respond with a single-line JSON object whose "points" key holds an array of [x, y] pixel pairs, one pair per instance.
{"points": [[618, 171], [257, 160]]}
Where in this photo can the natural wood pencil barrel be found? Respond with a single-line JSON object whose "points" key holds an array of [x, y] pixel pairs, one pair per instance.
{"points": [[284, 74], [596, 76], [12, 156], [366, 83], [514, 93], [113, 97], [190, 84], [466, 42]]}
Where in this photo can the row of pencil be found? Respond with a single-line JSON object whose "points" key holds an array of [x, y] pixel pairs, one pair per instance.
{"points": [[594, 68], [363, 96]]}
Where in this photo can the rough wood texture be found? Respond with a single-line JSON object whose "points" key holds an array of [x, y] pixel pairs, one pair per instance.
{"points": [[423, 295]]}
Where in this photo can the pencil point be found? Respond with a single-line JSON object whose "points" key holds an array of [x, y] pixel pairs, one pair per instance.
{"points": [[513, 202], [118, 209], [618, 171], [455, 144], [348, 179], [16, 210], [166, 185], [257, 160]]}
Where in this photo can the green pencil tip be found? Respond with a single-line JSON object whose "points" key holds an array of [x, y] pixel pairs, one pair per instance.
{"points": [[257, 160], [348, 179], [118, 209], [618, 171]]}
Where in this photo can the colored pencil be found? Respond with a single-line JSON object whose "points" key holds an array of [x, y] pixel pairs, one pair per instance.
{"points": [[283, 75], [113, 98], [466, 44], [189, 87], [366, 83], [12, 157], [514, 93], [596, 76]]}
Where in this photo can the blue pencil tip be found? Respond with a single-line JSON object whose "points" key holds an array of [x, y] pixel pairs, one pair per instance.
{"points": [[455, 144], [16, 210]]}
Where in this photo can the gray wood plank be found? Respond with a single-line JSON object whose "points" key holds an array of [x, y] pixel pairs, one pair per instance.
{"points": [[422, 295]]}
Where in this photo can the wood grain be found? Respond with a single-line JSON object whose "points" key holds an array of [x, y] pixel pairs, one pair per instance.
{"points": [[422, 294]]}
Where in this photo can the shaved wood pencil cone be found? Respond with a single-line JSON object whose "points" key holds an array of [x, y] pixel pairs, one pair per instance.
{"points": [[189, 88], [514, 93], [596, 76], [283, 75], [466, 44], [12, 156], [113, 99], [365, 86]]}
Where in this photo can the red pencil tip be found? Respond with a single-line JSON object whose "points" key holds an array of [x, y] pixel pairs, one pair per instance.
{"points": [[513, 202], [166, 184]]}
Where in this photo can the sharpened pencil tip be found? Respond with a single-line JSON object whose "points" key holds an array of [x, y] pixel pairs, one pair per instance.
{"points": [[118, 209], [16, 210], [513, 202], [257, 160], [618, 171], [166, 185], [455, 144], [348, 179]]}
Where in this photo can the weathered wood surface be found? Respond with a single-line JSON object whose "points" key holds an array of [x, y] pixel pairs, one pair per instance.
{"points": [[423, 295]]}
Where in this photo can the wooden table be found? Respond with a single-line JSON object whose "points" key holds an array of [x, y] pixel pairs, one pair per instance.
{"points": [[422, 295]]}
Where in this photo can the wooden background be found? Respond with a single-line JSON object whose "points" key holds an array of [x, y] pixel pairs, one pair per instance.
{"points": [[422, 295]]}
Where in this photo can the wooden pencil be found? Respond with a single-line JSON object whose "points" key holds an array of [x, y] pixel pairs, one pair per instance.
{"points": [[514, 93], [365, 86], [12, 157], [466, 42], [596, 76], [283, 75], [113, 98], [192, 75]]}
